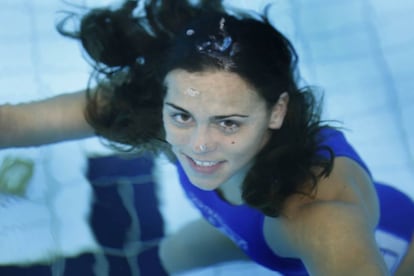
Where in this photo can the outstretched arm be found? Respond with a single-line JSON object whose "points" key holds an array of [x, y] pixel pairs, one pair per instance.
{"points": [[47, 121]]}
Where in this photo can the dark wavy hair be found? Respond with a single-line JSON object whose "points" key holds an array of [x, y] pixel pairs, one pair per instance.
{"points": [[133, 54]]}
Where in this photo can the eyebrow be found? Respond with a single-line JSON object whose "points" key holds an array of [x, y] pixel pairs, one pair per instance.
{"points": [[218, 117]]}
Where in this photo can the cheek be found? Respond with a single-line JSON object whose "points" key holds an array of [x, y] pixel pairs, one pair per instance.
{"points": [[248, 145], [175, 136], [169, 130]]}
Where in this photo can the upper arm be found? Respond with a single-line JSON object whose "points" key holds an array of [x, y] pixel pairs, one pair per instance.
{"points": [[46, 121], [336, 239]]}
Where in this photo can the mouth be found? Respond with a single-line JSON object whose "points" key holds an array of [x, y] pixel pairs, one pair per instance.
{"points": [[204, 163], [204, 166]]}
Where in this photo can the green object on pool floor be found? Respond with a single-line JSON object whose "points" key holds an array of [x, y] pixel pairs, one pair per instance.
{"points": [[15, 174]]}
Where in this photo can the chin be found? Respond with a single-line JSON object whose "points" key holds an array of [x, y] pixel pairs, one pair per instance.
{"points": [[204, 184]]}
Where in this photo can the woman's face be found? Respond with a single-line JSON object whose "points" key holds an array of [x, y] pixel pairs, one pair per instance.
{"points": [[216, 124]]}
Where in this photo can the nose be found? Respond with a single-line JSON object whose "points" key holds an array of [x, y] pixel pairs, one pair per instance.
{"points": [[203, 140]]}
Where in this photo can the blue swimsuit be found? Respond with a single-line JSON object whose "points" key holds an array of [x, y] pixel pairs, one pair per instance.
{"points": [[244, 225]]}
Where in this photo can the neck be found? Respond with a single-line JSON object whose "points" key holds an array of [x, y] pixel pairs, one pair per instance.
{"points": [[231, 190]]}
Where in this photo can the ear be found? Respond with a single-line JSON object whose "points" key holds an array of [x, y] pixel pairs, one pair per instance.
{"points": [[278, 111]]}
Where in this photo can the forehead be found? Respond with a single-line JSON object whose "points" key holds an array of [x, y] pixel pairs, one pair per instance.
{"points": [[212, 87]]}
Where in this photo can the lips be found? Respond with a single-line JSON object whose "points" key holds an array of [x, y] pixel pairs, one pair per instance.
{"points": [[203, 166]]}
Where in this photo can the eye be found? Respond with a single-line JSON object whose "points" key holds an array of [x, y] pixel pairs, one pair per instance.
{"points": [[181, 118], [229, 126]]}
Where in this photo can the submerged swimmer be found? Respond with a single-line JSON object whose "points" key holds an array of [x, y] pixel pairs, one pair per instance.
{"points": [[219, 94]]}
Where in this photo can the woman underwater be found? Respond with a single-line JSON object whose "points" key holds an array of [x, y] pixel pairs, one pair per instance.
{"points": [[219, 94]]}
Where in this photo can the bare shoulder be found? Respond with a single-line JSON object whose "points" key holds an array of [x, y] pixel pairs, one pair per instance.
{"points": [[347, 189], [332, 232], [338, 217]]}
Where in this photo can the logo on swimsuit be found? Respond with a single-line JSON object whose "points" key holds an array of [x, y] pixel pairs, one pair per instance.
{"points": [[218, 222]]}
